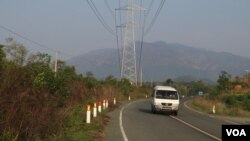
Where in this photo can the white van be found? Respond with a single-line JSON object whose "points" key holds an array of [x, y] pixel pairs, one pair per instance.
{"points": [[166, 99]]}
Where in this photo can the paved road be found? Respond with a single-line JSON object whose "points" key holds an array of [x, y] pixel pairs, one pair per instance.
{"points": [[135, 122]]}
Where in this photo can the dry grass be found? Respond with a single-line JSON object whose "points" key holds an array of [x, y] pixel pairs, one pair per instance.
{"points": [[202, 104], [206, 105], [26, 114], [29, 115]]}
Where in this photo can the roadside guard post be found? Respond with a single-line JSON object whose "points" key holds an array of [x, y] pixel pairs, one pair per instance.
{"points": [[100, 107], [114, 101], [107, 103], [88, 114], [213, 109], [104, 104], [94, 110]]}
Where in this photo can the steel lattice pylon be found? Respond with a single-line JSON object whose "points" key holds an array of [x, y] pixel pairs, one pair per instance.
{"points": [[128, 58]]}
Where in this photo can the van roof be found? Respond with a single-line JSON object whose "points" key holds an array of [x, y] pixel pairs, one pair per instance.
{"points": [[164, 88]]}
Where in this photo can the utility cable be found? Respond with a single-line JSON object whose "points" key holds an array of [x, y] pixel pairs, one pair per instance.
{"points": [[121, 38], [138, 54], [155, 16], [120, 18], [150, 7], [100, 18], [109, 8], [32, 41], [117, 44], [25, 38], [142, 41]]}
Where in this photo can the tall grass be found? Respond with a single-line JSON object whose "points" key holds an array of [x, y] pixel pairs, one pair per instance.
{"points": [[224, 105], [75, 127]]}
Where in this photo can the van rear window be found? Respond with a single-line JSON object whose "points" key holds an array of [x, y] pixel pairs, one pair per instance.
{"points": [[163, 94]]}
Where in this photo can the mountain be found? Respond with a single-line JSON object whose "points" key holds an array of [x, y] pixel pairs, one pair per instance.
{"points": [[162, 60]]}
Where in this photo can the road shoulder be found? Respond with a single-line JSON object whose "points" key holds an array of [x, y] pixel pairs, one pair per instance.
{"points": [[112, 130], [228, 119]]}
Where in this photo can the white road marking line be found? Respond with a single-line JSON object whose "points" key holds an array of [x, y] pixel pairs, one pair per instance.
{"points": [[125, 138], [185, 104], [120, 120], [196, 128], [231, 122], [211, 116]]}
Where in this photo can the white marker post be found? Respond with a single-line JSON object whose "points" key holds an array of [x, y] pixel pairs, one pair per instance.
{"points": [[88, 114], [128, 98], [107, 103], [104, 105], [213, 110], [94, 110], [114, 101], [99, 107]]}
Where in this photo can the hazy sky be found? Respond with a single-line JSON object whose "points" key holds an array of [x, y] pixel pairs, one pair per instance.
{"points": [[71, 26]]}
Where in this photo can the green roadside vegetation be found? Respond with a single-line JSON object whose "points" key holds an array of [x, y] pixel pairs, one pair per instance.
{"points": [[75, 127], [230, 97], [236, 105], [38, 104]]}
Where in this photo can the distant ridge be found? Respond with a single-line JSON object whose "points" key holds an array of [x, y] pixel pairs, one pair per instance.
{"points": [[165, 60]]}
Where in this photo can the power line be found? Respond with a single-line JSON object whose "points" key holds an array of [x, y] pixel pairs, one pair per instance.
{"points": [[141, 37], [155, 16], [25, 38], [150, 7], [99, 16], [109, 8], [32, 41], [117, 44], [141, 43], [120, 20]]}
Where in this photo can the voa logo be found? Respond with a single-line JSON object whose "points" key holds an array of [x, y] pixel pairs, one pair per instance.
{"points": [[236, 132]]}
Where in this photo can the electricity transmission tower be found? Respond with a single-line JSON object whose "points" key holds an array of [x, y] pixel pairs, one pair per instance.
{"points": [[131, 18], [129, 54]]}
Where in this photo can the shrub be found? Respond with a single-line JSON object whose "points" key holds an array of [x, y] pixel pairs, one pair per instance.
{"points": [[229, 100], [239, 100]]}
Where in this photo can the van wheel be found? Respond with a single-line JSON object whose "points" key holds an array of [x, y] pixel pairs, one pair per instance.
{"points": [[175, 113], [153, 110]]}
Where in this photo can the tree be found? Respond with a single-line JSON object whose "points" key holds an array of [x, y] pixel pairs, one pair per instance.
{"points": [[2, 56], [169, 82], [196, 86], [90, 80], [126, 86], [110, 79], [89, 74], [39, 58], [37, 65], [60, 65], [67, 73], [16, 52], [223, 81]]}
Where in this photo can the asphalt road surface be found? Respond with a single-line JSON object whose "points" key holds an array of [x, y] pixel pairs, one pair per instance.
{"points": [[134, 122]]}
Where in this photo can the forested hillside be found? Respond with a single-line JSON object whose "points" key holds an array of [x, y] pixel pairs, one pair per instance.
{"points": [[162, 60]]}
